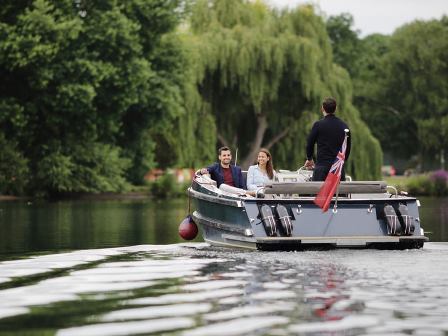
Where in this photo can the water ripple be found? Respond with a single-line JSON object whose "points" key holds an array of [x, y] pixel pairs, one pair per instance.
{"points": [[157, 311], [128, 328], [241, 326], [194, 289]]}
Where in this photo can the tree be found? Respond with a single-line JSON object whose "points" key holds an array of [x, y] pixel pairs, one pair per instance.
{"points": [[345, 42], [363, 59], [87, 88], [434, 136], [192, 137], [399, 84], [13, 169], [414, 85], [264, 74]]}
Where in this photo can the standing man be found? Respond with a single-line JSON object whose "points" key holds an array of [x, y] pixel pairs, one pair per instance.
{"points": [[223, 172], [329, 134]]}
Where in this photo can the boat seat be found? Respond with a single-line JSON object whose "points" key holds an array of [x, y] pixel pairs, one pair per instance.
{"points": [[312, 188]]}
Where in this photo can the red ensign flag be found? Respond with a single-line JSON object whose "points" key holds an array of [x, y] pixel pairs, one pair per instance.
{"points": [[328, 189]]}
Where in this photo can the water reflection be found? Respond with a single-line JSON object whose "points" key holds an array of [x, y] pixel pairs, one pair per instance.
{"points": [[434, 215], [42, 226], [193, 289]]}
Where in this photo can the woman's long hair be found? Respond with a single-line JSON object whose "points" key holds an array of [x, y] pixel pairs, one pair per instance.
{"points": [[269, 164]]}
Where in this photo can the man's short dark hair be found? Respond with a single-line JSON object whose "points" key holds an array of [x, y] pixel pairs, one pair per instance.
{"points": [[329, 105], [225, 148]]}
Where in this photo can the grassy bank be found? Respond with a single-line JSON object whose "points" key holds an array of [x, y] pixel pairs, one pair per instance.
{"points": [[429, 184], [164, 187]]}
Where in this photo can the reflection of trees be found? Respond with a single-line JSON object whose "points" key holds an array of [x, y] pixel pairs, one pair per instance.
{"points": [[434, 218], [84, 225]]}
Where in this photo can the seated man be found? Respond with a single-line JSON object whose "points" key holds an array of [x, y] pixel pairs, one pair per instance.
{"points": [[224, 172]]}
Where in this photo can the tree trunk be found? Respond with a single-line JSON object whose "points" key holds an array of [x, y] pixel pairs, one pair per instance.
{"points": [[222, 140], [262, 126], [258, 140], [277, 138]]}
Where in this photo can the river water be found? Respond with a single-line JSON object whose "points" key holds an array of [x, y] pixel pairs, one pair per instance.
{"points": [[118, 268]]}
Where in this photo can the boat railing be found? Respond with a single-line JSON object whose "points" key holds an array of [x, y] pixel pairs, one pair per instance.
{"points": [[312, 188], [394, 189], [300, 175]]}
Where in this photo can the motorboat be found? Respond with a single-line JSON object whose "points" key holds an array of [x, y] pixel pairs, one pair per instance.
{"points": [[283, 216]]}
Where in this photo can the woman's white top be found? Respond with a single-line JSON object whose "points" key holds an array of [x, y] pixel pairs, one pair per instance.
{"points": [[256, 178]]}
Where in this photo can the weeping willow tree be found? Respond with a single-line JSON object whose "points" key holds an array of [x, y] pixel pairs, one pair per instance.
{"points": [[193, 138], [262, 75]]}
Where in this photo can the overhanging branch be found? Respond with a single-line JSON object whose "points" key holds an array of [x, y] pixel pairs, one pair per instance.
{"points": [[277, 138], [223, 140]]}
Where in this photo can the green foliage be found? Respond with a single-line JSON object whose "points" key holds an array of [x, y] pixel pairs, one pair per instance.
{"points": [[417, 66], [419, 185], [98, 168], [415, 73], [262, 72], [399, 84], [167, 187], [250, 68], [14, 172], [402, 81], [431, 184], [440, 188], [194, 133], [88, 88], [433, 135], [363, 61], [344, 42], [190, 140], [55, 171], [423, 185]]}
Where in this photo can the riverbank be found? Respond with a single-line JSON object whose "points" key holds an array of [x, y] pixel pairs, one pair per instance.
{"points": [[166, 187], [137, 193], [429, 184]]}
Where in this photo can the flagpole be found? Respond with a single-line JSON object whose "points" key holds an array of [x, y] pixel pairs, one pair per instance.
{"points": [[335, 207]]}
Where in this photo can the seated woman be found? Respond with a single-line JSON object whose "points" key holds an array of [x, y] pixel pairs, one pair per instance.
{"points": [[262, 173]]}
